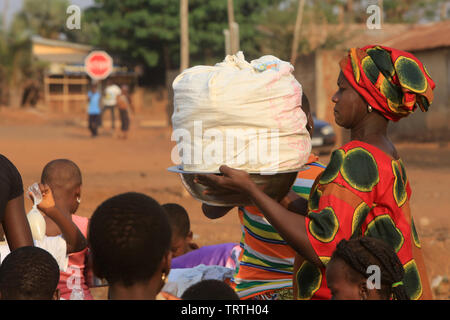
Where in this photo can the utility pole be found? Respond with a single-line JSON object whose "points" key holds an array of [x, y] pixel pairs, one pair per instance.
{"points": [[184, 24], [233, 29], [380, 4], [298, 23], [5, 13]]}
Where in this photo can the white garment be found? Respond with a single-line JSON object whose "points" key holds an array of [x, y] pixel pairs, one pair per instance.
{"points": [[111, 93], [56, 246], [181, 279]]}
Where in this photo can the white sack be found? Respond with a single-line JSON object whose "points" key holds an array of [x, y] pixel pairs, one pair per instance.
{"points": [[244, 115]]}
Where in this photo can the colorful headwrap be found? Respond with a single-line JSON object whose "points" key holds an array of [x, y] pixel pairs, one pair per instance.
{"points": [[393, 82]]}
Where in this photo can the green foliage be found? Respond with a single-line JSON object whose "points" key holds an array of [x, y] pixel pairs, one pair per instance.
{"points": [[148, 31], [46, 18]]}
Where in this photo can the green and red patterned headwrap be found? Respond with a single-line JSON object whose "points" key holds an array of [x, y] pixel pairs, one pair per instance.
{"points": [[393, 82]]}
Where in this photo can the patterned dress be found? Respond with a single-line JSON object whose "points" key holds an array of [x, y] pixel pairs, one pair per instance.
{"points": [[362, 192]]}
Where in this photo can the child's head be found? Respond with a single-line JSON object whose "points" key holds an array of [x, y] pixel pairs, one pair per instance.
{"points": [[307, 110], [210, 290], [64, 179], [129, 237], [29, 273], [354, 261], [181, 228]]}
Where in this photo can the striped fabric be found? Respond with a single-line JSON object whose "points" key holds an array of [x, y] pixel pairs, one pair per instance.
{"points": [[305, 180], [266, 261]]}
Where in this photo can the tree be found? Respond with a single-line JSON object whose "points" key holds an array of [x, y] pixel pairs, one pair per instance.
{"points": [[147, 32], [46, 18]]}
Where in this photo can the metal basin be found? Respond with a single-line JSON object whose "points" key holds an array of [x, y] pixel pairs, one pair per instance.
{"points": [[275, 186]]}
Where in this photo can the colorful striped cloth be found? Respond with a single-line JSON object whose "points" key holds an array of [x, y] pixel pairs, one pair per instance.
{"points": [[266, 261]]}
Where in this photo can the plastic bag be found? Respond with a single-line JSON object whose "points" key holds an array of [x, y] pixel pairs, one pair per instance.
{"points": [[35, 218]]}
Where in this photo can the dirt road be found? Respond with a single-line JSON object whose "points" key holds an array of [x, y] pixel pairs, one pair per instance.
{"points": [[110, 166]]}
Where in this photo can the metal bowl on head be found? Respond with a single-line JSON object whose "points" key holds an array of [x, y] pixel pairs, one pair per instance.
{"points": [[276, 186]]}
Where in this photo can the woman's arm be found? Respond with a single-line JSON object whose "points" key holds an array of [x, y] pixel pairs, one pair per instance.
{"points": [[290, 225], [15, 224], [293, 202]]}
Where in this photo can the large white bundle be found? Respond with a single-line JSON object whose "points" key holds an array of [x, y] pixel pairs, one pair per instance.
{"points": [[244, 115]]}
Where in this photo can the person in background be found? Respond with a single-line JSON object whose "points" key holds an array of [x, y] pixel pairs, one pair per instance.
{"points": [[29, 273], [112, 91], [94, 110], [125, 106]]}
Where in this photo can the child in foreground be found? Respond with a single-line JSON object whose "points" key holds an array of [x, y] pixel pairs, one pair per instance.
{"points": [[29, 273], [129, 237], [354, 261]]}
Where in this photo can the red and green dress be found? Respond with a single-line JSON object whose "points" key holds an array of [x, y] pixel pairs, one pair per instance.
{"points": [[362, 192]]}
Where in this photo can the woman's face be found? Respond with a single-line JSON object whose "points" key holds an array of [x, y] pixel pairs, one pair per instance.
{"points": [[350, 108]]}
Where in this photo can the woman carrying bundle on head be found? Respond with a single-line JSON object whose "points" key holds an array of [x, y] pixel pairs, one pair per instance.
{"points": [[364, 191]]}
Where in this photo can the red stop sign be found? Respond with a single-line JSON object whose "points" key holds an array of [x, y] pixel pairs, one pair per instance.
{"points": [[98, 65]]}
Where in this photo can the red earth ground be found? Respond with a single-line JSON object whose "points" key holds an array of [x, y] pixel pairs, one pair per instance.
{"points": [[110, 166]]}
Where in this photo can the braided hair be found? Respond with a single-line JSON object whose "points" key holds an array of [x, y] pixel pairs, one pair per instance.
{"points": [[360, 253]]}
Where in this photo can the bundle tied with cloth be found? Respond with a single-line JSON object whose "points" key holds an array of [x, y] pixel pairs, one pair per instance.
{"points": [[244, 115]]}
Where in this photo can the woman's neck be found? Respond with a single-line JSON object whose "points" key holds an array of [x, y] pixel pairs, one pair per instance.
{"points": [[371, 126], [373, 130]]}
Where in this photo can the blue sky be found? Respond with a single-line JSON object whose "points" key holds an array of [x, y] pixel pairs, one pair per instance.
{"points": [[16, 5]]}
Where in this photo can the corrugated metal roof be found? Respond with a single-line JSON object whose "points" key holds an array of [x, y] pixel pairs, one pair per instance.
{"points": [[422, 37]]}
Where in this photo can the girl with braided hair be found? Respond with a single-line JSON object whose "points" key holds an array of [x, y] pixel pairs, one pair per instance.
{"points": [[352, 264]]}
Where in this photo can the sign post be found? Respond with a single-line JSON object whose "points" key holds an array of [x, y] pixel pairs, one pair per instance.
{"points": [[98, 65]]}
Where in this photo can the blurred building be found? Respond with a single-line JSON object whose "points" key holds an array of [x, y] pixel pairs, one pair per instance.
{"points": [[65, 82], [430, 44], [318, 72]]}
